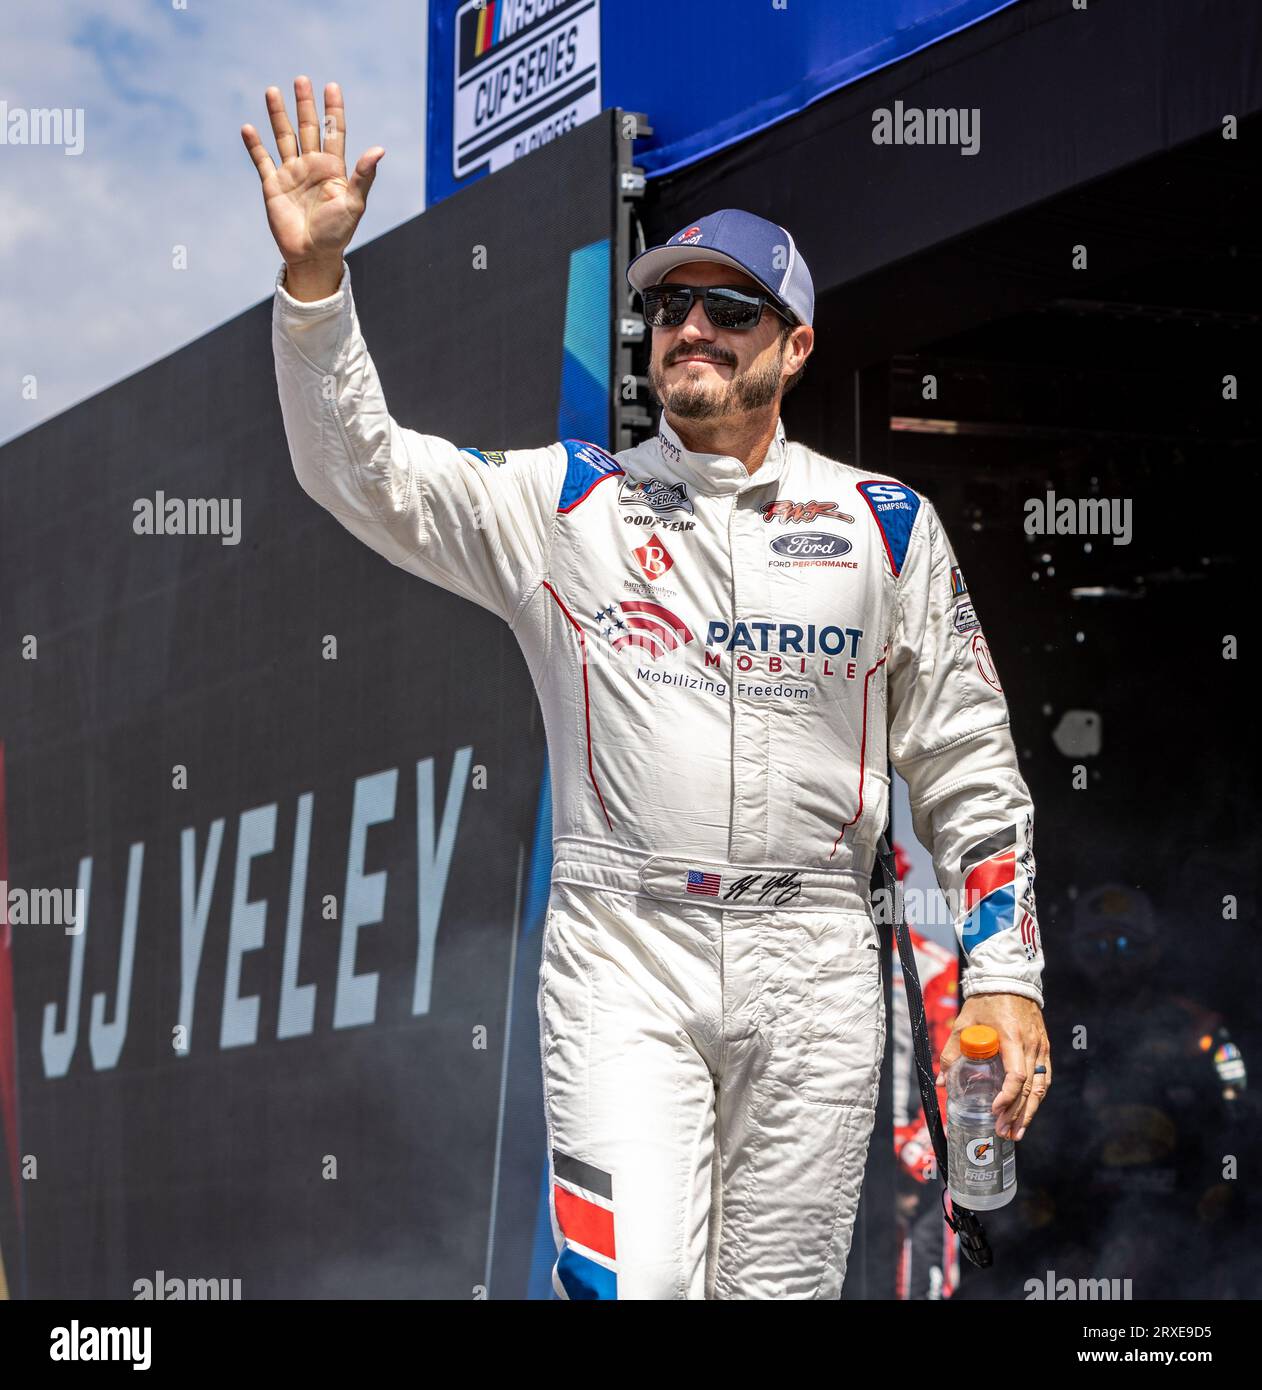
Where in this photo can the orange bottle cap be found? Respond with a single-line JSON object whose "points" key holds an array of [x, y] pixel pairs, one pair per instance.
{"points": [[979, 1041]]}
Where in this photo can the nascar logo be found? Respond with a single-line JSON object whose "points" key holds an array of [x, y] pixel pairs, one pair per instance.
{"points": [[658, 496], [500, 20]]}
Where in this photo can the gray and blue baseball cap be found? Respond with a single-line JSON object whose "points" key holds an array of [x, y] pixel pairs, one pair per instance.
{"points": [[762, 249]]}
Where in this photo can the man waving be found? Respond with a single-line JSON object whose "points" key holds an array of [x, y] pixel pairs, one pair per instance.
{"points": [[727, 632]]}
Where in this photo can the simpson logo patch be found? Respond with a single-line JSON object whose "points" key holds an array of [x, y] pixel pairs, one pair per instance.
{"points": [[585, 466], [894, 507]]}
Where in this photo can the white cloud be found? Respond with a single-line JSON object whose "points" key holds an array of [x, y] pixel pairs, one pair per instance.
{"points": [[86, 285]]}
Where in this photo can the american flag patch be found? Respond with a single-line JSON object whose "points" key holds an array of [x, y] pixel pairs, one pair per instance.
{"points": [[1029, 936], [705, 884]]}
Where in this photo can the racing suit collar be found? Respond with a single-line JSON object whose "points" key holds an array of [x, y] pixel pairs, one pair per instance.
{"points": [[716, 473]]}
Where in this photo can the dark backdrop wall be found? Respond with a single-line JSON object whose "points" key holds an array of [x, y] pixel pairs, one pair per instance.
{"points": [[370, 1044]]}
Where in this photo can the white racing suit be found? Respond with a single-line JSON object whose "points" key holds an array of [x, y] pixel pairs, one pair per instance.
{"points": [[722, 660]]}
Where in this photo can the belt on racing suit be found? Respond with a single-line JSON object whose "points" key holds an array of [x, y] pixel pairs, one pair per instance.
{"points": [[696, 880]]}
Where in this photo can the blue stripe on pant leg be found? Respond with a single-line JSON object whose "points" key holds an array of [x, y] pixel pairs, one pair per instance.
{"points": [[585, 1279]]}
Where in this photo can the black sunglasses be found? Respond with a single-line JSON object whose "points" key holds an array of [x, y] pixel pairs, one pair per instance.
{"points": [[667, 306]]}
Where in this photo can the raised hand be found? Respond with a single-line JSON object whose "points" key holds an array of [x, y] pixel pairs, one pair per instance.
{"points": [[312, 207]]}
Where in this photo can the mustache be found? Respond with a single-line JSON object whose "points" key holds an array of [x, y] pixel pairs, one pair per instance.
{"points": [[726, 359]]}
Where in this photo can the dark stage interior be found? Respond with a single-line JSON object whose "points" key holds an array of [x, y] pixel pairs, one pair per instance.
{"points": [[1132, 713], [1117, 660]]}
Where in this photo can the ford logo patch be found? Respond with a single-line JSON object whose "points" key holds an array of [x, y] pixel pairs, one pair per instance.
{"points": [[814, 545]]}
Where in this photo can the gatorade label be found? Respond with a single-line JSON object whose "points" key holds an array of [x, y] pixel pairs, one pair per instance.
{"points": [[980, 1164]]}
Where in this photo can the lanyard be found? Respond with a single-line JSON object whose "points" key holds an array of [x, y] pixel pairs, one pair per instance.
{"points": [[965, 1223]]}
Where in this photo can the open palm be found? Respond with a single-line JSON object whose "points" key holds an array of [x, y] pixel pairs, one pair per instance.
{"points": [[312, 207]]}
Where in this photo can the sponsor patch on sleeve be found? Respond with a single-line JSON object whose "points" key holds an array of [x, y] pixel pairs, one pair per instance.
{"points": [[958, 586], [586, 465], [990, 901], [894, 507], [965, 619], [493, 457]]}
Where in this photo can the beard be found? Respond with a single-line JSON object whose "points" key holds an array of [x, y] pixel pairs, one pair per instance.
{"points": [[753, 389]]}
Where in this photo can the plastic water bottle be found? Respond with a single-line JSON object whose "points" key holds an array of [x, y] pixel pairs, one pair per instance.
{"points": [[981, 1166]]}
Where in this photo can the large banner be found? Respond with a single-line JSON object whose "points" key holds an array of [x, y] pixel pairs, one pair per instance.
{"points": [[273, 814], [507, 76]]}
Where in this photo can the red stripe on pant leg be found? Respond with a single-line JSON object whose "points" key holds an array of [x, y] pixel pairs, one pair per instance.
{"points": [[989, 875], [584, 1222]]}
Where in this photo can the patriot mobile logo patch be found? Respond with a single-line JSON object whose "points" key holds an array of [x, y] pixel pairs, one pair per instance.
{"points": [[649, 627]]}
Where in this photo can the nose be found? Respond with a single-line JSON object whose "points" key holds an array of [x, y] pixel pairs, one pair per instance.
{"points": [[696, 325]]}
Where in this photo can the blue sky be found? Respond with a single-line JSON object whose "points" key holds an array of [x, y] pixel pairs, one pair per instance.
{"points": [[88, 292]]}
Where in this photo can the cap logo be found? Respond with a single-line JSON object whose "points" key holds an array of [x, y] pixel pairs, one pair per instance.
{"points": [[689, 237]]}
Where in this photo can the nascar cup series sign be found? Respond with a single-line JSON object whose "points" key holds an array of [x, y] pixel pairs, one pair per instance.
{"points": [[526, 72]]}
